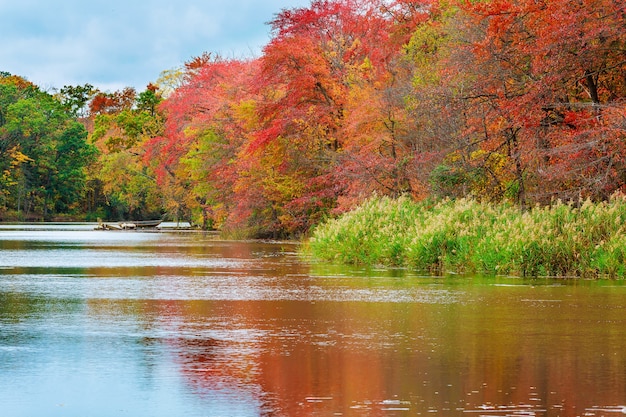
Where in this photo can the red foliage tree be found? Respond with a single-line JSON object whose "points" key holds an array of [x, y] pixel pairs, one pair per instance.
{"points": [[327, 66], [543, 74], [203, 134], [111, 103]]}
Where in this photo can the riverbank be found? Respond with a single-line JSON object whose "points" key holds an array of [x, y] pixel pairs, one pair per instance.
{"points": [[466, 236]]}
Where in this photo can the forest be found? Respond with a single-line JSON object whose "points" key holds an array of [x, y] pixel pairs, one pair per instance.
{"points": [[497, 100]]}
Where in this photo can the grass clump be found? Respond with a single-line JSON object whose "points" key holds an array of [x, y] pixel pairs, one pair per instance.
{"points": [[466, 236]]}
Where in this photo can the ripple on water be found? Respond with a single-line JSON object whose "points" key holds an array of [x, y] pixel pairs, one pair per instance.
{"points": [[507, 410], [599, 411], [95, 258], [230, 286]]}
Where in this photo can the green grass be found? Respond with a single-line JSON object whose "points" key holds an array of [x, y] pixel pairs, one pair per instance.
{"points": [[465, 236]]}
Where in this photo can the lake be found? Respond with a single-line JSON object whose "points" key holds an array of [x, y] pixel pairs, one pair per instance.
{"points": [[96, 323]]}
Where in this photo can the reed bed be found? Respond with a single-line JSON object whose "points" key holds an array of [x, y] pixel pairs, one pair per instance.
{"points": [[466, 236]]}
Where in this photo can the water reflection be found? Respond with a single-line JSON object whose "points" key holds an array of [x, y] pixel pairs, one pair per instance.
{"points": [[161, 324]]}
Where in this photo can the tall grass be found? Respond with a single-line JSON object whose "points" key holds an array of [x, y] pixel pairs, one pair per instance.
{"points": [[468, 236]]}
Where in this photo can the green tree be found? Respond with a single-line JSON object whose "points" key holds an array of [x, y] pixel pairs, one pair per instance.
{"points": [[44, 152], [75, 98]]}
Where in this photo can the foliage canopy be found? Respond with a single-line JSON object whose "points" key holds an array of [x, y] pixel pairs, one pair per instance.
{"points": [[522, 101]]}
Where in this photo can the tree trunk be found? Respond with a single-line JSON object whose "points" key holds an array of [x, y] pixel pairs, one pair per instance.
{"points": [[519, 168], [592, 85]]}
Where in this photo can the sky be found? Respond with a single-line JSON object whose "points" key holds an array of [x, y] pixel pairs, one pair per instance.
{"points": [[112, 44]]}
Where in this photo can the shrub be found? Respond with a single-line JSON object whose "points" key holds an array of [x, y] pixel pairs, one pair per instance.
{"points": [[468, 236]]}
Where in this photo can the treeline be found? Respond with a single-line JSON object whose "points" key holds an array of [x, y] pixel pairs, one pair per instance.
{"points": [[43, 152], [497, 100], [76, 153]]}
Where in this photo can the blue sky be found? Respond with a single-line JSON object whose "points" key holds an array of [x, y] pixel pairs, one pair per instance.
{"points": [[117, 43]]}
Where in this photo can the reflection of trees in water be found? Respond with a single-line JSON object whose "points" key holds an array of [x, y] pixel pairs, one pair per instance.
{"points": [[220, 368], [511, 344], [303, 358]]}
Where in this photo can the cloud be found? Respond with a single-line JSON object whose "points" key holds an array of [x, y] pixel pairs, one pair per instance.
{"points": [[112, 44]]}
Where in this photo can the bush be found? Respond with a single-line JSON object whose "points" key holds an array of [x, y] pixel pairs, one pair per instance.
{"points": [[467, 236]]}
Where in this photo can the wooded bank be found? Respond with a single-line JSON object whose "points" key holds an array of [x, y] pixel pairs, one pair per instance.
{"points": [[519, 101]]}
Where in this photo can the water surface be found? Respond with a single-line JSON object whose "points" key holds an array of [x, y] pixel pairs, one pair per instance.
{"points": [[96, 323]]}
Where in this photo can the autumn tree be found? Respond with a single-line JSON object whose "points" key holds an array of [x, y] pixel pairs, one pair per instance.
{"points": [[332, 112], [545, 89], [123, 122], [207, 120], [393, 129], [319, 121]]}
